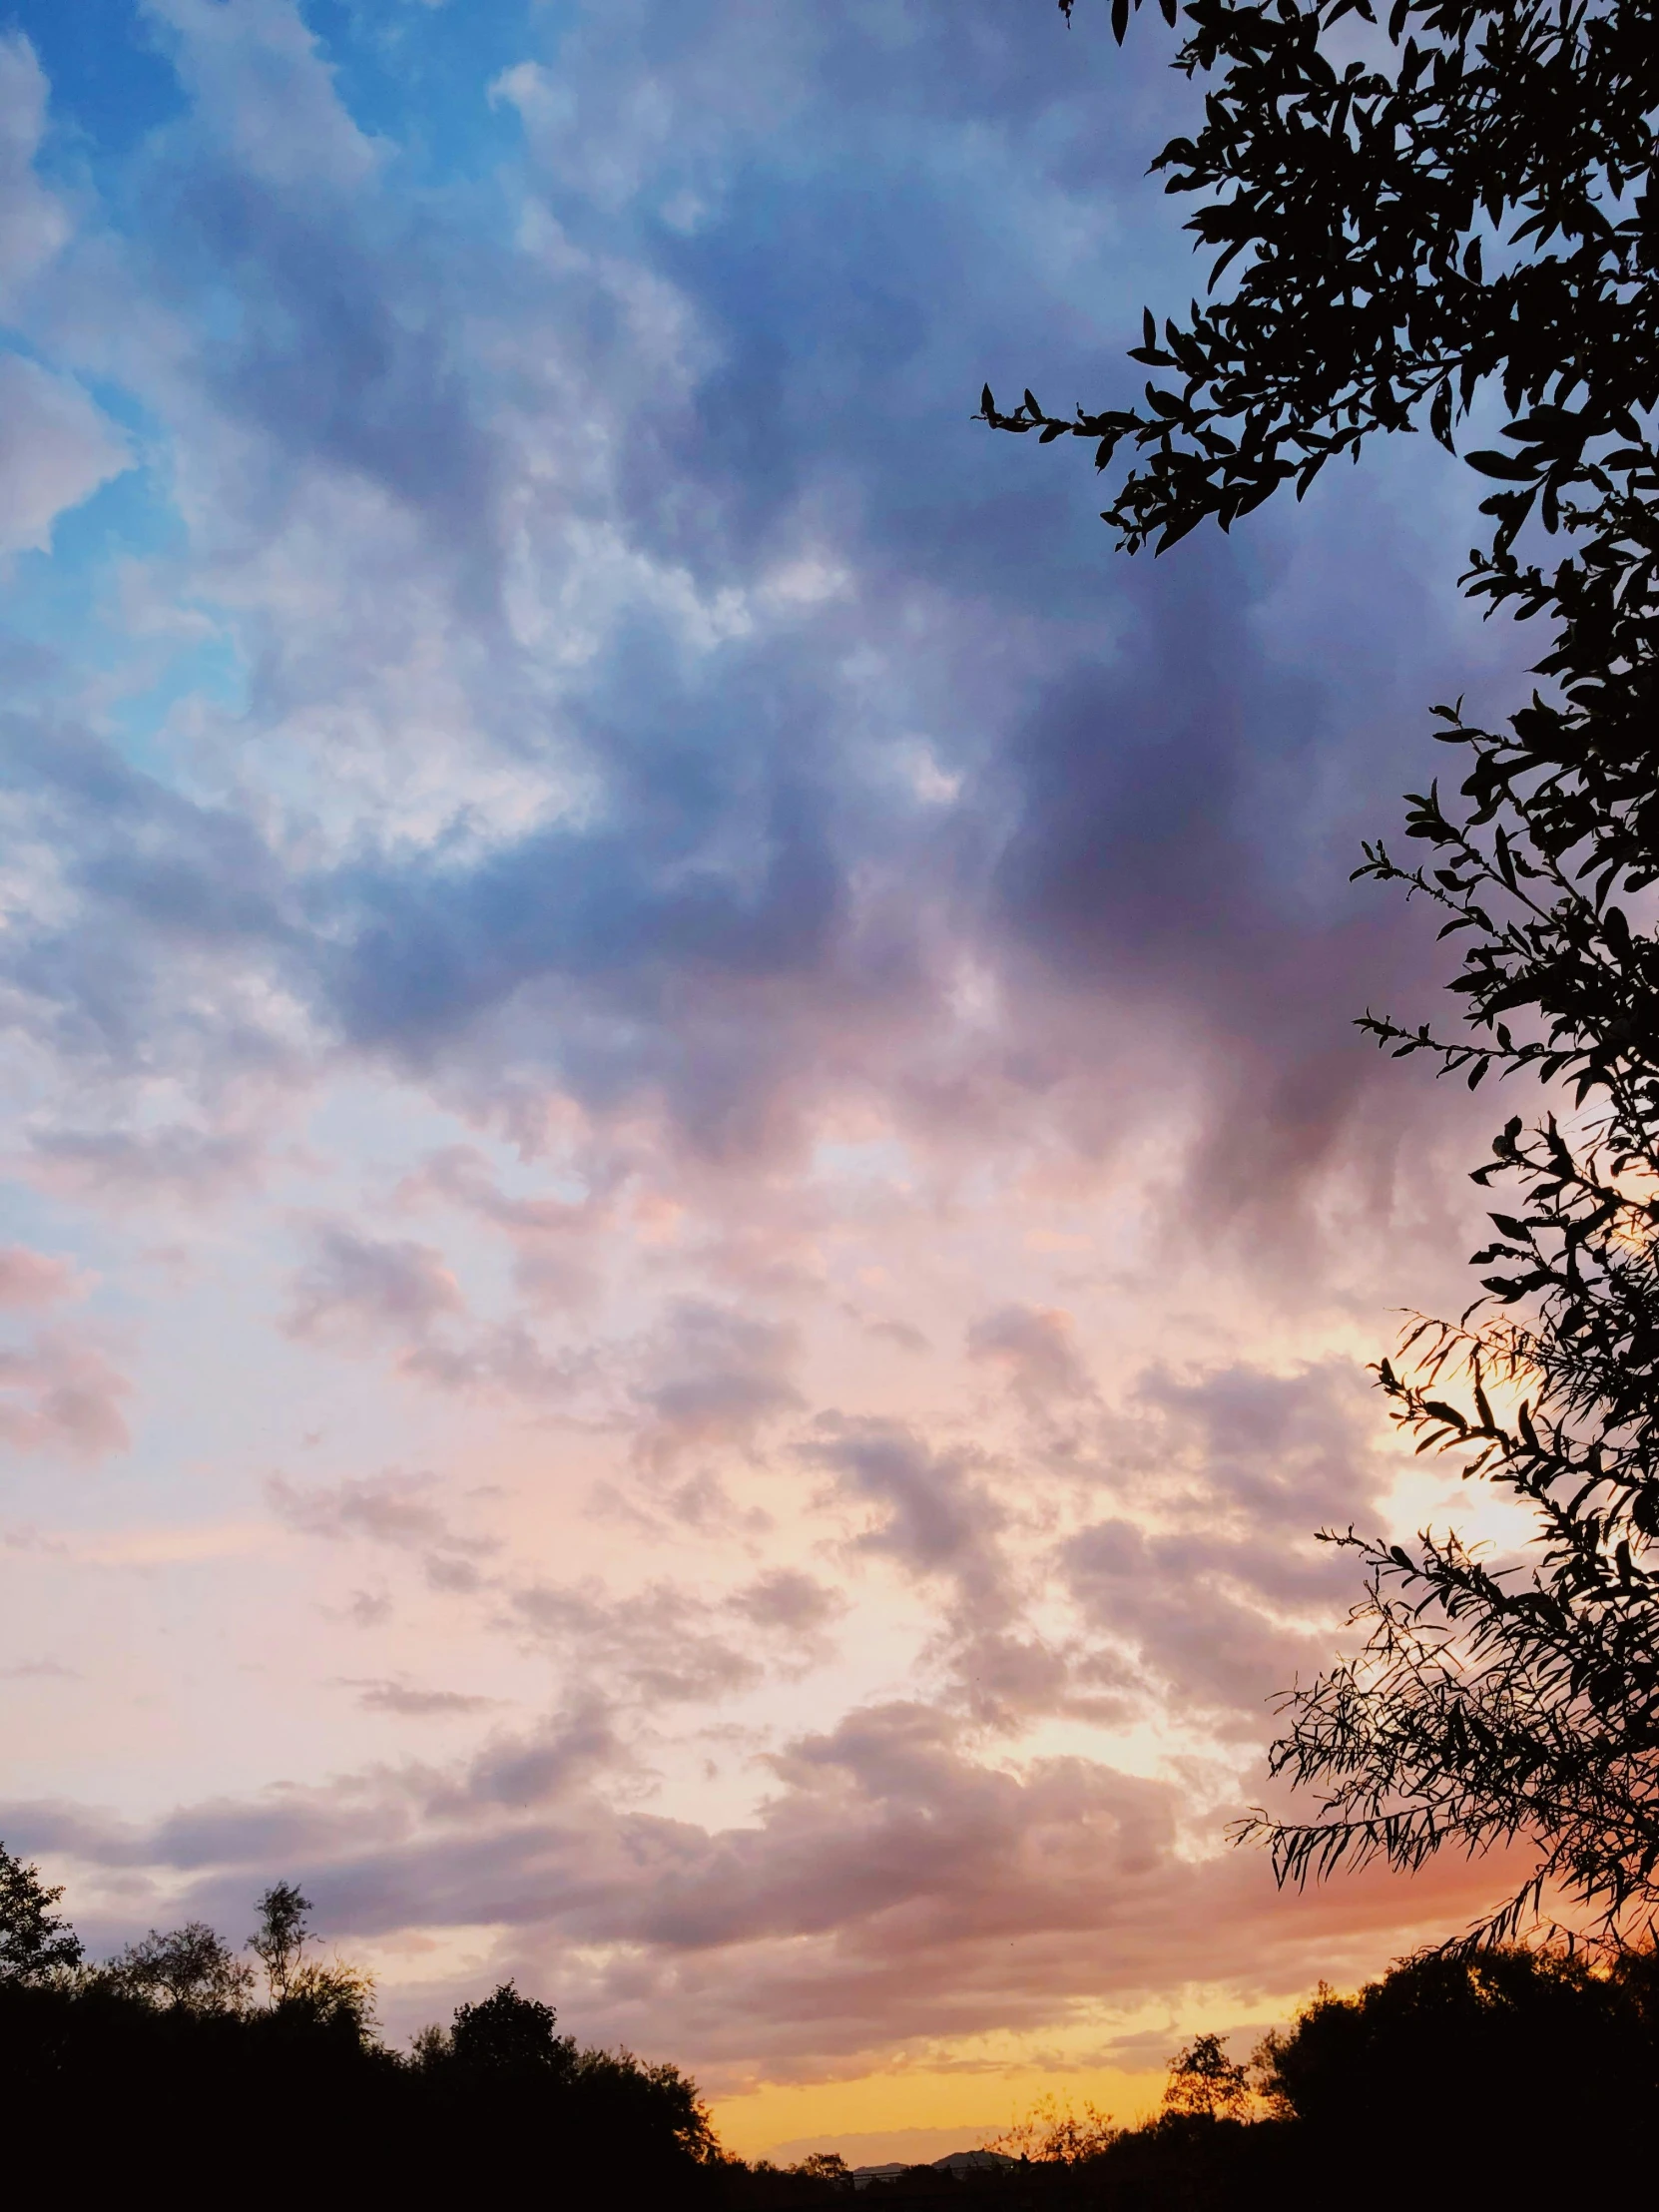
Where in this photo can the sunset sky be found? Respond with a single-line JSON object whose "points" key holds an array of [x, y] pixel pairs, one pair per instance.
{"points": [[692, 1217]]}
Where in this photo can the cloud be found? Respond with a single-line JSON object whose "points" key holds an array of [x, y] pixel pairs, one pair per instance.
{"points": [[178, 1164], [940, 1515], [553, 1239], [408, 1702], [663, 1646], [394, 1509], [787, 1599], [262, 89], [33, 224], [1037, 1348], [30, 1279], [56, 448], [715, 1378], [355, 1284], [584, 789], [893, 1891], [1226, 1598], [61, 1392]]}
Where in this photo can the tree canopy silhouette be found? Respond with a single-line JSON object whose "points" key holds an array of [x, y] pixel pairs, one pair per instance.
{"points": [[1402, 216], [174, 2025], [35, 1942]]}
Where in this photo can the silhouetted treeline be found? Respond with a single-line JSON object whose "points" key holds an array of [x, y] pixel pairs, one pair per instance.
{"points": [[1505, 2077], [286, 2102], [171, 2074], [1508, 2078]]}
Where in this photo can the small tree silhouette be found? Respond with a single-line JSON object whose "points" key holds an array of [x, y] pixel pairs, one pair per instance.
{"points": [[1204, 2082], [279, 1939], [507, 2032], [35, 1942], [189, 1966]]}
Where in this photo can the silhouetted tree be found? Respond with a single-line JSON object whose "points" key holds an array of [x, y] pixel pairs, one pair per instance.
{"points": [[822, 2165], [1052, 2133], [279, 1940], [1461, 198], [332, 1993], [506, 2031], [1204, 2082], [497, 2105], [35, 1942], [189, 1966], [1488, 2064]]}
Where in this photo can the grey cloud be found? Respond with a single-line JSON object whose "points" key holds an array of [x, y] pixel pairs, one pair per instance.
{"points": [[892, 1890], [61, 1392], [660, 1645], [940, 1516], [368, 1609], [408, 1702], [1038, 1348], [553, 1237], [357, 1289], [181, 1165], [785, 1598], [1280, 1453], [716, 1375], [900, 1332], [392, 1508], [356, 1282], [1212, 1588], [284, 1825], [1199, 1639], [501, 1356], [795, 1611], [573, 1750]]}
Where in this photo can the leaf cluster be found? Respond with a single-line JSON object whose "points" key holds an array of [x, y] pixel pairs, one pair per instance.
{"points": [[1496, 1703], [1463, 199]]}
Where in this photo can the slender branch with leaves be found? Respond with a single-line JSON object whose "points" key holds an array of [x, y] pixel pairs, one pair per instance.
{"points": [[1407, 213]]}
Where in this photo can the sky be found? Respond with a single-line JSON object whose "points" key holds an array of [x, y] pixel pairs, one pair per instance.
{"points": [[692, 1218]]}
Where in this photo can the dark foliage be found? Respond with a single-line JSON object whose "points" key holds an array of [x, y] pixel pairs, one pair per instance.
{"points": [[282, 2094], [1450, 2082], [1407, 213], [1451, 2035], [189, 1966], [163, 2059], [35, 1942], [160, 2073], [509, 2035]]}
